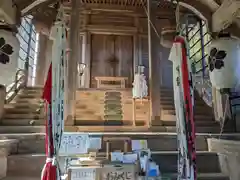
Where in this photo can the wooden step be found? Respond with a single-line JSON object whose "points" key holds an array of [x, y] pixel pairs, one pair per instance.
{"points": [[89, 110], [201, 129], [197, 123], [88, 117], [15, 177], [197, 112], [171, 103], [198, 117], [26, 165], [88, 103], [156, 142], [123, 122], [172, 176], [21, 165], [24, 116], [22, 129], [171, 99], [168, 161], [26, 142], [23, 111], [22, 105], [169, 106], [31, 101], [23, 122], [27, 97], [8, 146], [201, 176]]}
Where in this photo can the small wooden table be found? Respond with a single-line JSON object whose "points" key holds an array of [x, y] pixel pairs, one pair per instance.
{"points": [[108, 140], [101, 79]]}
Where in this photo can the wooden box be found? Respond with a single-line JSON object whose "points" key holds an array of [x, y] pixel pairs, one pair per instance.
{"points": [[84, 173], [119, 172]]}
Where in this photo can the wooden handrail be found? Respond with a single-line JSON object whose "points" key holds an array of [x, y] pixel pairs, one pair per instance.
{"points": [[14, 88]]}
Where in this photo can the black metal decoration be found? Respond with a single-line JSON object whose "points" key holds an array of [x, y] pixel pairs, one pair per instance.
{"points": [[5, 51]]}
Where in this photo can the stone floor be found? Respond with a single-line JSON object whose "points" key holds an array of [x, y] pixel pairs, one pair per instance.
{"points": [[21, 178]]}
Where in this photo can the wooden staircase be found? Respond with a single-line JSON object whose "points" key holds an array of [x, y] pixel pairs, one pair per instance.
{"points": [[24, 113], [23, 123], [91, 108], [25, 154], [90, 112]]}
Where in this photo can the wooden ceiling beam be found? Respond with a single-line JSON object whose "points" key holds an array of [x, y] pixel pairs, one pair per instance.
{"points": [[33, 6], [122, 10]]}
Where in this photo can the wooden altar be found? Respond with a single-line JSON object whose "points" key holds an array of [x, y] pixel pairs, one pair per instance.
{"points": [[111, 82]]}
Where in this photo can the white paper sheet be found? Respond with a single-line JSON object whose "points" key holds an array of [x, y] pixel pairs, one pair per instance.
{"points": [[117, 156], [83, 173], [130, 158], [74, 144], [95, 143], [139, 145]]}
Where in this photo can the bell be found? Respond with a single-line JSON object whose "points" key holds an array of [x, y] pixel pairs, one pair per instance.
{"points": [[224, 62]]}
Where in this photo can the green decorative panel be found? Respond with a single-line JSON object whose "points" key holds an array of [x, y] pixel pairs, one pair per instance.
{"points": [[113, 108]]}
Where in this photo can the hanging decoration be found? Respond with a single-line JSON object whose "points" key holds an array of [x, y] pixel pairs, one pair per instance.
{"points": [[184, 105], [9, 53], [224, 62], [140, 89], [55, 122], [49, 171]]}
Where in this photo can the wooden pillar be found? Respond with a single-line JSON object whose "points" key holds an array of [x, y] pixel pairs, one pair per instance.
{"points": [[136, 46], [2, 100], [48, 56], [154, 63], [86, 56], [86, 52], [135, 53], [72, 62], [41, 60]]}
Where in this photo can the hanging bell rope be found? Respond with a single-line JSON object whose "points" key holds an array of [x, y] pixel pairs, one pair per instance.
{"points": [[151, 23], [177, 16]]}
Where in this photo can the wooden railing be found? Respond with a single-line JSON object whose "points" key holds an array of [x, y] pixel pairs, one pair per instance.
{"points": [[18, 84]]}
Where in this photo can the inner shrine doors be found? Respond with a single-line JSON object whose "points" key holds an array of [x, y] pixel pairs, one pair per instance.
{"points": [[111, 55]]}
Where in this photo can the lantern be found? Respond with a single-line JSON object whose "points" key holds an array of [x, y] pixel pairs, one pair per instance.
{"points": [[9, 53], [224, 62]]}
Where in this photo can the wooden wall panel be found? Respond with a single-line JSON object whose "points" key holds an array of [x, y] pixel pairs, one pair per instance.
{"points": [[144, 55], [106, 47], [143, 25], [111, 19], [80, 49], [166, 69], [124, 53], [99, 56]]}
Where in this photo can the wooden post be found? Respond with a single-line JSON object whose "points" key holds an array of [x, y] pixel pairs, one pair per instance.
{"points": [[108, 150], [2, 100], [87, 58], [136, 57], [41, 63], [126, 146], [136, 45], [154, 77], [134, 111], [73, 60]]}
